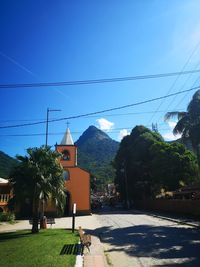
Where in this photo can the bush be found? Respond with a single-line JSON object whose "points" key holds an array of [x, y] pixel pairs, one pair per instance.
{"points": [[7, 217]]}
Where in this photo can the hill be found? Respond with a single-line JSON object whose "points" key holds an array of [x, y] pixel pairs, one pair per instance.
{"points": [[96, 150], [6, 164]]}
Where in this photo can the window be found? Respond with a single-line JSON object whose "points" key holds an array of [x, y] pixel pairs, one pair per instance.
{"points": [[65, 155], [66, 175]]}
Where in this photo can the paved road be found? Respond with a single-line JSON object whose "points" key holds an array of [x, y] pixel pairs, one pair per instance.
{"points": [[135, 239]]}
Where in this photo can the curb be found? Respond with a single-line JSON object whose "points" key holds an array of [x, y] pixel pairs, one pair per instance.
{"points": [[79, 261], [195, 224]]}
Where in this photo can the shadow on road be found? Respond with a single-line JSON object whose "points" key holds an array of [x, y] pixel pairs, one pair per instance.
{"points": [[167, 243]]}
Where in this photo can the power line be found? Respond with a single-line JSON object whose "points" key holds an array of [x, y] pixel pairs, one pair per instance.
{"points": [[107, 115], [109, 80], [173, 84], [102, 111], [79, 132], [197, 80], [194, 83]]}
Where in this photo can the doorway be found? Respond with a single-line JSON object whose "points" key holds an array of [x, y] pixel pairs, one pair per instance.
{"points": [[67, 210]]}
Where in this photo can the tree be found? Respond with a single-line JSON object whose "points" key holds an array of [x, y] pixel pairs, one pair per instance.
{"points": [[132, 163], [145, 164], [38, 176], [188, 124], [172, 165]]}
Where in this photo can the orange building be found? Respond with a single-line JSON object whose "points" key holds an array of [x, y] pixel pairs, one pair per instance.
{"points": [[77, 180]]}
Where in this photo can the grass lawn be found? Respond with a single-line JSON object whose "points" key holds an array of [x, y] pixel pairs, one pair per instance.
{"points": [[23, 249]]}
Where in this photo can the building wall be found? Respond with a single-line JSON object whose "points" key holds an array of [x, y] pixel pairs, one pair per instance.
{"points": [[72, 153], [79, 188]]}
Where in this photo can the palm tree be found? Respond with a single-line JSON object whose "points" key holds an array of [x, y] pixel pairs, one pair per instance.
{"points": [[188, 124], [38, 176]]}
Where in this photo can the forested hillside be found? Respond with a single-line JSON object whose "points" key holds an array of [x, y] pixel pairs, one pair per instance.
{"points": [[96, 150], [6, 164]]}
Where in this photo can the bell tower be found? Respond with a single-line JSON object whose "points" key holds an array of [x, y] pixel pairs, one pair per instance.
{"points": [[68, 151], [76, 180]]}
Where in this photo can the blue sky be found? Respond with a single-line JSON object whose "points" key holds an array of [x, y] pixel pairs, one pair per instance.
{"points": [[52, 41]]}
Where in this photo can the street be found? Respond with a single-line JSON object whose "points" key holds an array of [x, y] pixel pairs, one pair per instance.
{"points": [[136, 239]]}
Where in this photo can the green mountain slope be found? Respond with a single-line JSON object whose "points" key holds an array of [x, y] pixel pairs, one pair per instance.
{"points": [[96, 150], [6, 164]]}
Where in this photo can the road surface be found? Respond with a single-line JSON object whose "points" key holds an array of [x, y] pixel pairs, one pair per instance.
{"points": [[136, 239]]}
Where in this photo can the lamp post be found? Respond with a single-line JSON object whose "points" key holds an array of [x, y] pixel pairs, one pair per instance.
{"points": [[123, 170], [47, 123], [73, 217]]}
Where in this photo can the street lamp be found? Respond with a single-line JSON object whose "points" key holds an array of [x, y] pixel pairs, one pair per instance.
{"points": [[47, 122]]}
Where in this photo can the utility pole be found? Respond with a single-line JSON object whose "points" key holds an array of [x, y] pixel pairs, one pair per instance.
{"points": [[42, 217], [47, 123], [124, 171], [155, 127], [126, 186]]}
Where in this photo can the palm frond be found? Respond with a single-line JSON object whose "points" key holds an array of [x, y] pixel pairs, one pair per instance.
{"points": [[182, 126], [182, 114], [171, 115]]}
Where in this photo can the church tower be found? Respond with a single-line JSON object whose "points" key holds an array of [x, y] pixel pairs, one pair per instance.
{"points": [[68, 151], [77, 180]]}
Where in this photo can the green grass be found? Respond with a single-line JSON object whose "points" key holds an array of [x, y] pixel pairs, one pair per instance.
{"points": [[23, 249]]}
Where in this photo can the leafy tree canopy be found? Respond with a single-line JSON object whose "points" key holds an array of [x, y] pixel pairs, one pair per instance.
{"points": [[172, 164], [6, 164], [149, 164]]}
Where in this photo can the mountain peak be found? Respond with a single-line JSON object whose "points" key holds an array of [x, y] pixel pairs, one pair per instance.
{"points": [[92, 132], [96, 150]]}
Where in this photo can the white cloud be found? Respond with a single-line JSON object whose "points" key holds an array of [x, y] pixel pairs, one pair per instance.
{"points": [[123, 133], [169, 136], [105, 125], [172, 124]]}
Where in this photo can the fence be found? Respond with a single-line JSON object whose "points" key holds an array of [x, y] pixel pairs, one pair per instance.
{"points": [[4, 198], [177, 206]]}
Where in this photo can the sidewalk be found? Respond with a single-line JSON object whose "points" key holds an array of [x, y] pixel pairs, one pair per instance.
{"points": [[96, 257]]}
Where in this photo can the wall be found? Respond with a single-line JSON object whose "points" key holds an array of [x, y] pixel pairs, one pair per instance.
{"points": [[79, 188], [184, 207]]}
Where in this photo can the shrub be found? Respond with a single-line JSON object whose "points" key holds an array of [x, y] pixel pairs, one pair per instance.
{"points": [[7, 217]]}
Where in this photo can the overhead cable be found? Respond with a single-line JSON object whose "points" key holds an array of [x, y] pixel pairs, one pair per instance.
{"points": [[102, 111], [107, 115], [109, 80]]}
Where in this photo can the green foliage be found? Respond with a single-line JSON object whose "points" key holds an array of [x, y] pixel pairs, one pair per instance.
{"points": [[189, 122], [172, 164], [37, 177], [6, 164], [149, 164], [7, 217]]}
